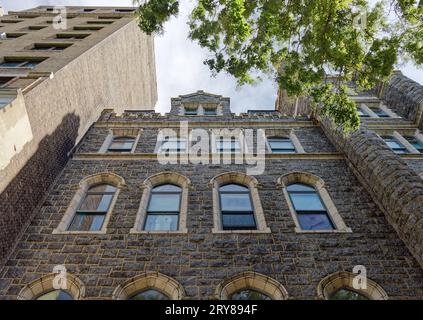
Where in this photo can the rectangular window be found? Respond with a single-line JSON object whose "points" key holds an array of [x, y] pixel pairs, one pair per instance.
{"points": [[5, 100], [50, 46], [121, 144], [10, 35], [228, 145], [87, 28], [281, 145], [394, 144], [362, 113], [100, 22], [210, 112], [173, 145], [125, 10], [72, 36], [417, 144], [380, 112], [190, 111], [11, 20], [4, 81], [18, 63], [36, 27]]}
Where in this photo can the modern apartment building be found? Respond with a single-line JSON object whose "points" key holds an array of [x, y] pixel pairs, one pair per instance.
{"points": [[134, 215], [59, 68]]}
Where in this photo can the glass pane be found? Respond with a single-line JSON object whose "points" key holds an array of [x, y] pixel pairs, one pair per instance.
{"points": [[249, 295], [119, 145], [161, 222], [167, 188], [86, 222], [393, 144], [164, 202], [235, 202], [55, 295], [31, 64], [315, 222], [307, 202], [300, 187], [380, 112], [241, 221], [150, 294], [96, 202], [233, 187], [346, 294], [209, 112], [102, 188], [281, 145], [415, 143], [10, 64]]}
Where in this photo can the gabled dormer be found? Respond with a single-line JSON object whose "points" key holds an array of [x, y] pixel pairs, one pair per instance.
{"points": [[200, 104]]}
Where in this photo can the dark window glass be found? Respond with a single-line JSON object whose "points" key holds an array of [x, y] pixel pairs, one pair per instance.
{"points": [[394, 144], [380, 113], [236, 208], [55, 295], [149, 294], [121, 144], [347, 294], [311, 213], [190, 111], [93, 209], [173, 145], [249, 295], [228, 145], [19, 64], [362, 113], [5, 80], [415, 143], [49, 47], [163, 208], [281, 145], [210, 112]]}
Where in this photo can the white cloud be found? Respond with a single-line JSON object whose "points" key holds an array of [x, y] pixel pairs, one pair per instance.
{"points": [[179, 62]]}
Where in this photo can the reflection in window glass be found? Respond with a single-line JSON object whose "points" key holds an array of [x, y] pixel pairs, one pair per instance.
{"points": [[149, 294], [394, 144], [93, 209], [55, 295], [236, 208], [249, 295], [281, 145], [311, 213], [163, 208], [121, 144], [347, 294]]}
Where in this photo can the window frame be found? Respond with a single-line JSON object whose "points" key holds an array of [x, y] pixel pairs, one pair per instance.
{"points": [[241, 212], [122, 139], [395, 139], [271, 150]]}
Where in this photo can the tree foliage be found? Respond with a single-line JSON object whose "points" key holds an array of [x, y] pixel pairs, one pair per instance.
{"points": [[299, 43]]}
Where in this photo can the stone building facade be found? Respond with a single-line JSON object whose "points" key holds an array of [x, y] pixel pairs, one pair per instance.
{"points": [[58, 70], [200, 257]]}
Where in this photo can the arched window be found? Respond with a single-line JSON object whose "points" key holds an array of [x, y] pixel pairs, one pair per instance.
{"points": [[92, 211], [236, 204], [310, 210], [250, 286], [92, 204], [150, 286], [55, 295], [163, 208], [149, 294], [44, 289], [310, 204], [340, 286], [236, 207], [164, 204]]}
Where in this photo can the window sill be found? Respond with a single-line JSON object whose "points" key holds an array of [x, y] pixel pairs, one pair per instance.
{"points": [[218, 231], [346, 230], [55, 231], [136, 231]]}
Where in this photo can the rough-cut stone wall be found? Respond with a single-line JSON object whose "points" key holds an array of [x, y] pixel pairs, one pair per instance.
{"points": [[200, 260], [396, 188], [405, 97]]}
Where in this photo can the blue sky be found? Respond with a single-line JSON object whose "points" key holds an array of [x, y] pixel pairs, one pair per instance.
{"points": [[179, 62]]}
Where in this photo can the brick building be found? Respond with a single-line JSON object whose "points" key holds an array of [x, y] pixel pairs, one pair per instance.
{"points": [[58, 70], [125, 225]]}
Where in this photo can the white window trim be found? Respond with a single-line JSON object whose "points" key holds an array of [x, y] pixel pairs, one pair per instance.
{"points": [[147, 186], [117, 132], [252, 184], [319, 185], [81, 190]]}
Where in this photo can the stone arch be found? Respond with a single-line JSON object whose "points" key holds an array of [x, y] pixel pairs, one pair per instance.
{"points": [[245, 180], [318, 183], [251, 280], [343, 279], [150, 280], [31, 291], [81, 189], [158, 179]]}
